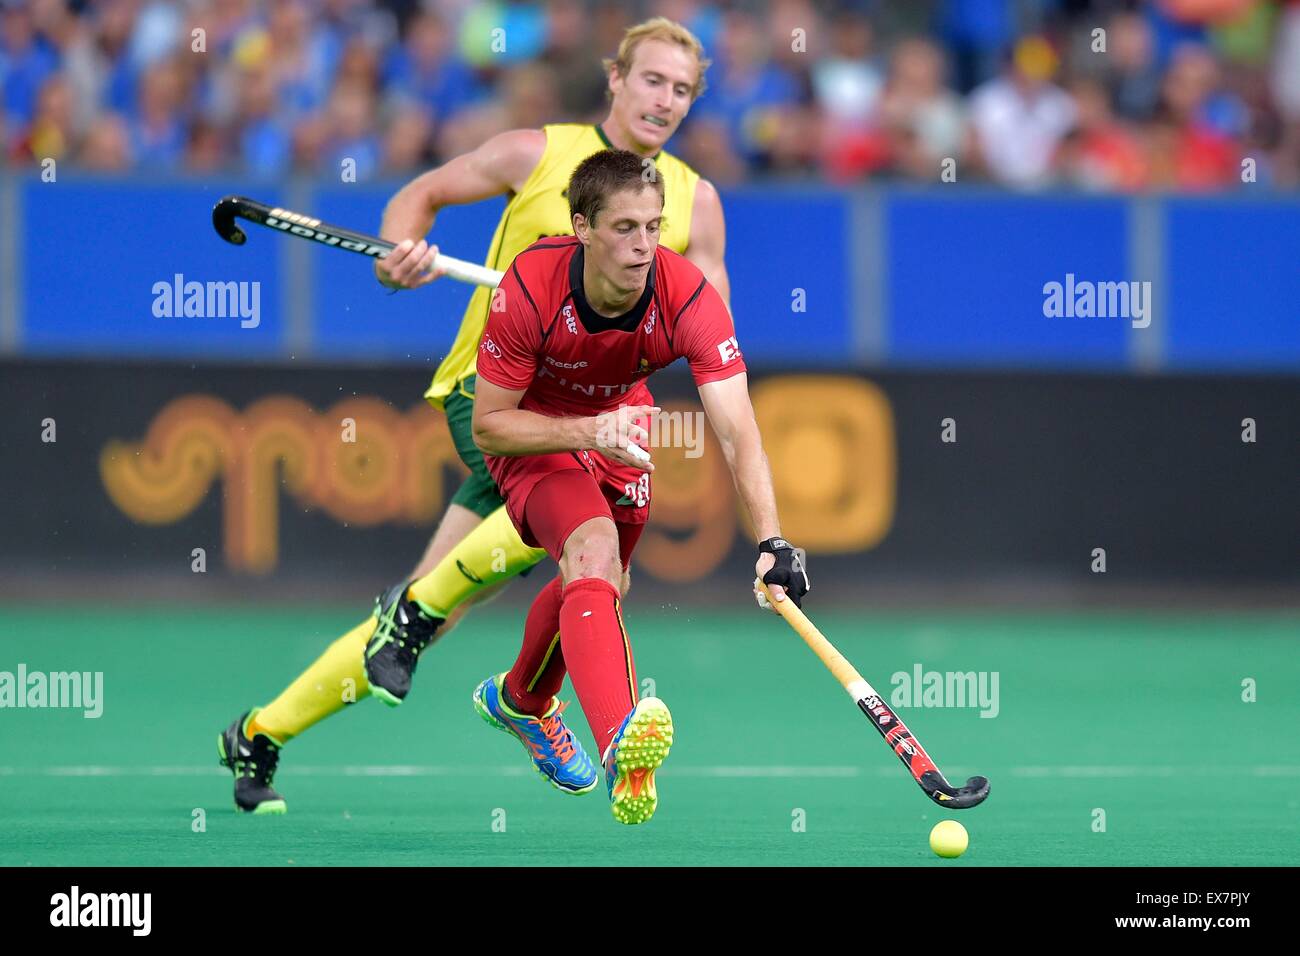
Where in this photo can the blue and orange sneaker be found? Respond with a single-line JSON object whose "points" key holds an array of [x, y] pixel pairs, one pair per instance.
{"points": [[639, 746], [556, 755]]}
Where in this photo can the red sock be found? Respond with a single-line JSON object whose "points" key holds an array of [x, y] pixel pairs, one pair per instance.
{"points": [[539, 669], [598, 655]]}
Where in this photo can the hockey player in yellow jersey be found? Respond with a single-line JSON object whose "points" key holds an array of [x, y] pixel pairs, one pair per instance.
{"points": [[656, 76]]}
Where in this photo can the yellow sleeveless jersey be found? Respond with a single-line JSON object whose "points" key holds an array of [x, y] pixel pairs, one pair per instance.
{"points": [[541, 208]]}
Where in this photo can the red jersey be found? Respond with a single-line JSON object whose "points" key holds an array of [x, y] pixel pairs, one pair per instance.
{"points": [[575, 362]]}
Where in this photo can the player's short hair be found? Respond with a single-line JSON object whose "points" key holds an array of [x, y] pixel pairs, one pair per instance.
{"points": [[659, 28], [602, 174]]}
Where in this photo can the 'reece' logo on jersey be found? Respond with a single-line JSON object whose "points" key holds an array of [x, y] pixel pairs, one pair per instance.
{"points": [[729, 349]]}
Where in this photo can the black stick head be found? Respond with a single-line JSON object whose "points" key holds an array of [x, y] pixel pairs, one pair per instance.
{"points": [[223, 220], [971, 795], [960, 798]]}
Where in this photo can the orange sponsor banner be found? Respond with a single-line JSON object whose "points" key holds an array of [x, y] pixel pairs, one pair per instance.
{"points": [[829, 440]]}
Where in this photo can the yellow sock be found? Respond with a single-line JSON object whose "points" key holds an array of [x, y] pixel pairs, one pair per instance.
{"points": [[491, 553], [337, 678]]}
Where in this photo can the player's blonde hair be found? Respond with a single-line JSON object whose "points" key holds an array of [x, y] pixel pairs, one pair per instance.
{"points": [[659, 28]]}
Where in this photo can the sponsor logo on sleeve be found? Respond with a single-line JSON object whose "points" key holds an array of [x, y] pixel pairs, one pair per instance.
{"points": [[490, 347], [729, 349]]}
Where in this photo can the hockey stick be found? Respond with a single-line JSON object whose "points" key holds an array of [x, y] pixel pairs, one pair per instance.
{"points": [[896, 735], [230, 208]]}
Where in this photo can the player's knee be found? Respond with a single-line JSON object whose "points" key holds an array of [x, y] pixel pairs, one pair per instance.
{"points": [[599, 570], [625, 584], [592, 552]]}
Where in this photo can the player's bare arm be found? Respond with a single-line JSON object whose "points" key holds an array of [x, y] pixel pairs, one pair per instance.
{"points": [[732, 415], [707, 245], [501, 165], [502, 428]]}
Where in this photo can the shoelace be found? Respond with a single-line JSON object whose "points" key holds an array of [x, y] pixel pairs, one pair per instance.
{"points": [[408, 647], [408, 650], [264, 772], [559, 736]]}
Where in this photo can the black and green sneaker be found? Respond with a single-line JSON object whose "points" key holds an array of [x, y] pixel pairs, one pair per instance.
{"points": [[405, 628], [253, 763]]}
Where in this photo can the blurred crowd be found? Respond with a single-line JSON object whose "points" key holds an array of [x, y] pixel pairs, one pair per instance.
{"points": [[1167, 94]]}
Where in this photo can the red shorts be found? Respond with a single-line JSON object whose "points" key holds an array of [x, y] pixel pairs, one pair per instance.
{"points": [[586, 485]]}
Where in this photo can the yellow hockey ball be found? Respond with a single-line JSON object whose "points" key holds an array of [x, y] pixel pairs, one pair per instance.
{"points": [[949, 839]]}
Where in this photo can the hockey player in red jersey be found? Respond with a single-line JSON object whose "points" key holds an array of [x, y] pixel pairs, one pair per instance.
{"points": [[561, 414]]}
